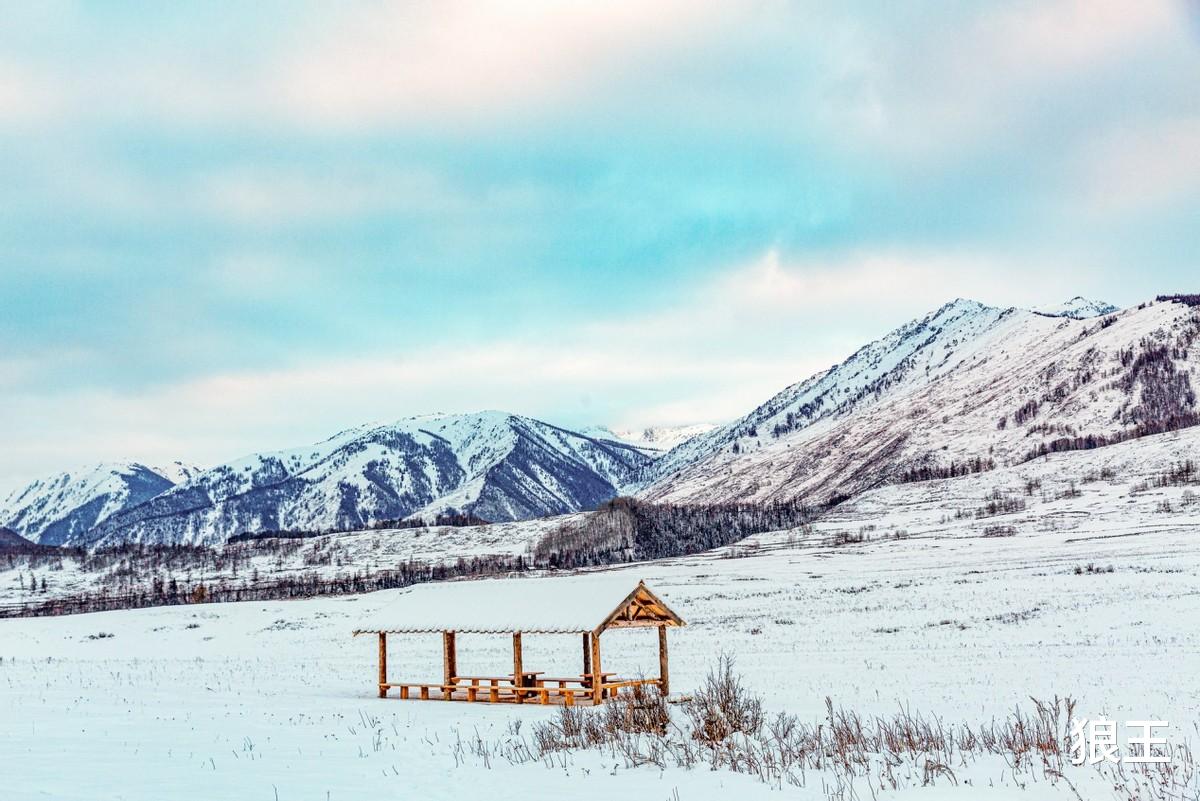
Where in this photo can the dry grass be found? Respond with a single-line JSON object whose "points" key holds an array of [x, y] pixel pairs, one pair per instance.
{"points": [[722, 725]]}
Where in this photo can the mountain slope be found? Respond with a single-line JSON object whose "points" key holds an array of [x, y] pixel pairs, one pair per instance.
{"points": [[63, 507], [493, 465], [11, 540], [962, 389]]}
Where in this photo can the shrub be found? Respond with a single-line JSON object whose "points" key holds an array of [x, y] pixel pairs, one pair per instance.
{"points": [[723, 707]]}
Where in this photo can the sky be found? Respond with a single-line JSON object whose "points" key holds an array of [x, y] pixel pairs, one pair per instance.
{"points": [[227, 228]]}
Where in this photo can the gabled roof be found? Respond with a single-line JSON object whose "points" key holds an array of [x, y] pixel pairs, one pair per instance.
{"points": [[569, 605]]}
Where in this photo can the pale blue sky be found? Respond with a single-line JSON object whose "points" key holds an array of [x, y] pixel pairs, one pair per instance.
{"points": [[226, 228]]}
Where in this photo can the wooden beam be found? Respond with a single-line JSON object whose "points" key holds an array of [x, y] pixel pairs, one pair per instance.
{"points": [[597, 681], [664, 681], [383, 665], [449, 658], [517, 663], [642, 595], [587, 653]]}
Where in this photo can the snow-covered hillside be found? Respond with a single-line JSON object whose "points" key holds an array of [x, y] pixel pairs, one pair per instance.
{"points": [[61, 508], [493, 465], [962, 389]]}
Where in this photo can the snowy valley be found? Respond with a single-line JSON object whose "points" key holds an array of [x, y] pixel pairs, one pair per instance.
{"points": [[1015, 507]]}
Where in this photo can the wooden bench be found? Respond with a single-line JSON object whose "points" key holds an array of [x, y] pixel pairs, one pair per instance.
{"points": [[496, 689], [491, 684], [529, 684], [561, 681], [613, 687]]}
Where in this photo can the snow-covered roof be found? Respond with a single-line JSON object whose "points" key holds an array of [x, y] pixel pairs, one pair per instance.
{"points": [[537, 605]]}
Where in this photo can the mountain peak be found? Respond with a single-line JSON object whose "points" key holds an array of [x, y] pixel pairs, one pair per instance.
{"points": [[653, 439], [55, 508], [1077, 308]]}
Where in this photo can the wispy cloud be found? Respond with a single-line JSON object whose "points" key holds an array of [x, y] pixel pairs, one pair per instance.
{"points": [[945, 91], [23, 99], [1142, 168]]}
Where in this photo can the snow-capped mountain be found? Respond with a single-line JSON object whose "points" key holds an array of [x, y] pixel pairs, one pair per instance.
{"points": [[494, 465], [1078, 308], [655, 440], [964, 388], [61, 508]]}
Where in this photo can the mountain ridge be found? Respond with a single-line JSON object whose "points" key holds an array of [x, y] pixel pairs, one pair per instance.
{"points": [[963, 387], [493, 465]]}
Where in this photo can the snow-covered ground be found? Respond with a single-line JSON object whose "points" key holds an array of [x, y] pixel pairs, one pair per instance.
{"points": [[935, 609]]}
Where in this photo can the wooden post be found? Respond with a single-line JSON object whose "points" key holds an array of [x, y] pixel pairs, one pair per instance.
{"points": [[517, 664], [664, 682], [597, 679], [382, 665], [449, 658], [587, 654]]}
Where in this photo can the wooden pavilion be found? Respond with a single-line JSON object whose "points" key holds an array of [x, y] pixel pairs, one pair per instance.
{"points": [[585, 606]]}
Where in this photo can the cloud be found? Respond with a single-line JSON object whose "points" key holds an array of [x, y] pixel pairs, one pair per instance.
{"points": [[462, 61], [1141, 168], [866, 277], [423, 65], [900, 80], [754, 303], [967, 82], [266, 197], [25, 99], [246, 195], [1072, 34]]}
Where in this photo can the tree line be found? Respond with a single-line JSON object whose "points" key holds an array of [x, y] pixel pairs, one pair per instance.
{"points": [[619, 531], [632, 530]]}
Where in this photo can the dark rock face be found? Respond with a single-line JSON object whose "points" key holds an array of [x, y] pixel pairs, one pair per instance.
{"points": [[11, 540]]}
